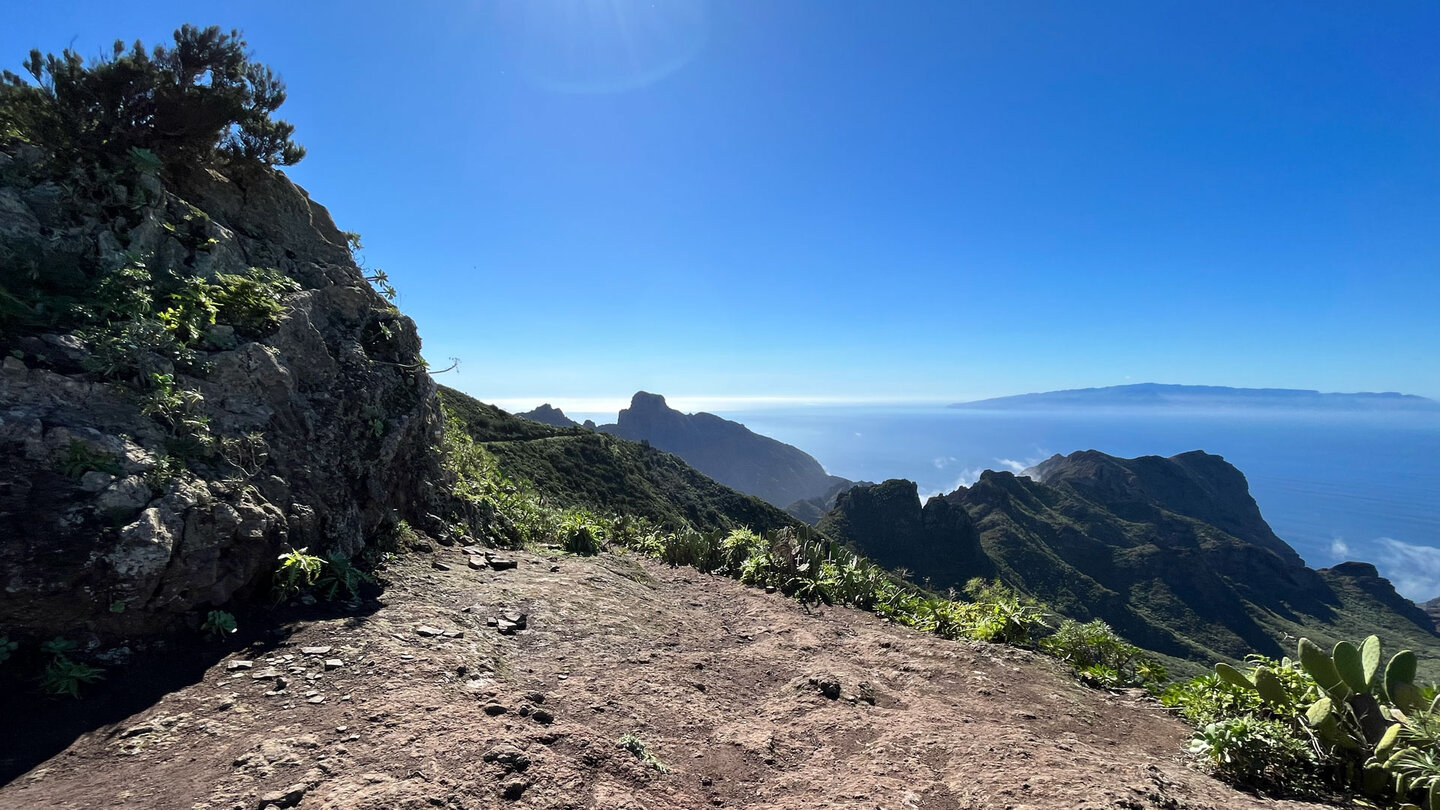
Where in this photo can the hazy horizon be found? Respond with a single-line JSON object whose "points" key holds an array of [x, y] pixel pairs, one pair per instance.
{"points": [[589, 407]]}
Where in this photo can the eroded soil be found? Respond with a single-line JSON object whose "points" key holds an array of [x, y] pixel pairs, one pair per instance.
{"points": [[747, 698]]}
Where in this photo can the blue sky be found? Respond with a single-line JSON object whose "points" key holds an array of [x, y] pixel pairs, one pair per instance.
{"points": [[847, 200]]}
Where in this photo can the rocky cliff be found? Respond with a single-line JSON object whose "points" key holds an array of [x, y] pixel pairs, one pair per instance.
{"points": [[1173, 553], [197, 375], [936, 542], [727, 451]]}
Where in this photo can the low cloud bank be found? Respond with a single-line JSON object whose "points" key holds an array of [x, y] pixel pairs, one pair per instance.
{"points": [[1413, 569]]}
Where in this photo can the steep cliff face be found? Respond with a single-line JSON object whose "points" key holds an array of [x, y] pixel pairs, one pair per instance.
{"points": [[1173, 553], [885, 522], [1195, 484], [726, 451], [151, 465]]}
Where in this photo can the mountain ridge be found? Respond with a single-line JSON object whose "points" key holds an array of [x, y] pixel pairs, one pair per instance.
{"points": [[727, 451], [1150, 395], [1173, 553]]}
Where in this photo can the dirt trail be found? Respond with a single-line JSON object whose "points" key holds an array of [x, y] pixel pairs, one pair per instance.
{"points": [[420, 704]]}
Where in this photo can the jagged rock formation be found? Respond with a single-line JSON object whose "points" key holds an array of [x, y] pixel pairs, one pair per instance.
{"points": [[546, 415], [810, 510], [1173, 553], [936, 542], [1195, 484], [727, 451], [312, 431]]}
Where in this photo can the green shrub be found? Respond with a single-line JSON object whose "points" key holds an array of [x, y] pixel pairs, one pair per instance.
{"points": [[297, 572], [63, 675], [998, 613], [7, 647], [1323, 719], [581, 533], [199, 100], [252, 302], [219, 624], [339, 577], [636, 746], [1257, 752], [1102, 658], [80, 459]]}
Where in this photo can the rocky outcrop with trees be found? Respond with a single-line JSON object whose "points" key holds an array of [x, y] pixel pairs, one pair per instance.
{"points": [[196, 374]]}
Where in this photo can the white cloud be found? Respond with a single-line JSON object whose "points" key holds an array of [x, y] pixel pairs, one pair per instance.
{"points": [[941, 462], [1339, 549], [1414, 569], [1017, 467]]}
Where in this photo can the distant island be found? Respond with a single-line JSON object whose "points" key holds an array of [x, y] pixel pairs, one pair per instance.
{"points": [[1202, 397]]}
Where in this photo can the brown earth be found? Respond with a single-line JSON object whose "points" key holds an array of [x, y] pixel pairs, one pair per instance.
{"points": [[724, 684]]}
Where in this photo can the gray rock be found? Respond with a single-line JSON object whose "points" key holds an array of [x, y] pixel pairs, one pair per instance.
{"points": [[289, 797], [306, 391], [509, 757], [95, 480], [128, 495]]}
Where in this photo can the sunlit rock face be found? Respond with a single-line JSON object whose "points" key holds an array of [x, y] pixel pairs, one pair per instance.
{"points": [[315, 432]]}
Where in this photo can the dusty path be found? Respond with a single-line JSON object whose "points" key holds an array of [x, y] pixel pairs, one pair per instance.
{"points": [[725, 685]]}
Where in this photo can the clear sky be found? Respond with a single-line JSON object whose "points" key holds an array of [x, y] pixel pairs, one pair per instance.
{"points": [[866, 200]]}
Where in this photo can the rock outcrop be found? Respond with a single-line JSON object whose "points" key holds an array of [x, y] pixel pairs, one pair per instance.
{"points": [[1195, 484], [727, 451], [128, 499], [548, 415], [885, 522]]}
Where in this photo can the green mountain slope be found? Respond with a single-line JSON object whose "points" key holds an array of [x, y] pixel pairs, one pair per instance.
{"points": [[583, 468], [1172, 553]]}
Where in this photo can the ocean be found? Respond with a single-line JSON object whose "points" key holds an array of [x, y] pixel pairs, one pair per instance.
{"points": [[1336, 485]]}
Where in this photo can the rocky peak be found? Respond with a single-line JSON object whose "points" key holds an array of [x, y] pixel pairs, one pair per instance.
{"points": [[886, 522], [727, 451], [1194, 484], [547, 415]]}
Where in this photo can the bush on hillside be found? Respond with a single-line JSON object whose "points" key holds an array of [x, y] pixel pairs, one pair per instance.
{"points": [[201, 99]]}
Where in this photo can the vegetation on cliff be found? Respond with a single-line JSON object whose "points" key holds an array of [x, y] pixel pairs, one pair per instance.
{"points": [[197, 376], [200, 100]]}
